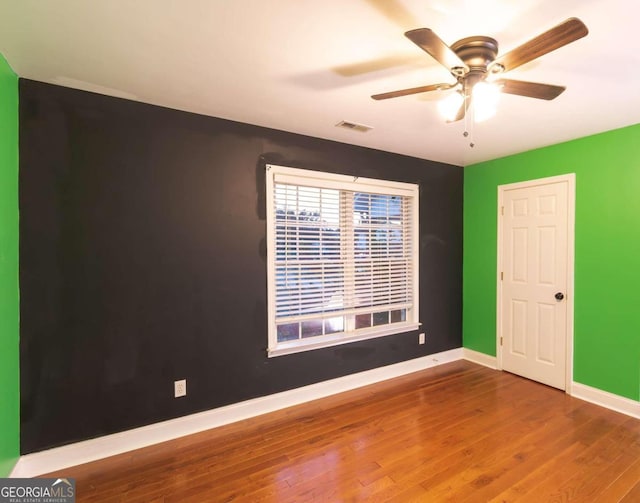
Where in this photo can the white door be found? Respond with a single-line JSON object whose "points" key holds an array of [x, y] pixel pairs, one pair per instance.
{"points": [[535, 278]]}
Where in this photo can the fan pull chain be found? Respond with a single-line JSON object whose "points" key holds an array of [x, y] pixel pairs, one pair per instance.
{"points": [[466, 132]]}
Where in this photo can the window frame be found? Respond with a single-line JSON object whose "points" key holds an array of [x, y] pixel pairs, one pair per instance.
{"points": [[304, 177]]}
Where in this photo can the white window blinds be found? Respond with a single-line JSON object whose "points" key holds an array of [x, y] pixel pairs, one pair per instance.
{"points": [[343, 258]]}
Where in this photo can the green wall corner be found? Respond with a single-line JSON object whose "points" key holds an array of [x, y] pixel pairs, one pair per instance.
{"points": [[607, 252], [9, 289]]}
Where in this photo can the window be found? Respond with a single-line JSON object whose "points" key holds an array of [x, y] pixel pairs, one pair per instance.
{"points": [[342, 258]]}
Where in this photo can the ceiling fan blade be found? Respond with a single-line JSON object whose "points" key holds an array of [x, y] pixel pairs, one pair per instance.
{"points": [[433, 45], [413, 90], [394, 11], [394, 62], [464, 108], [565, 33], [530, 89]]}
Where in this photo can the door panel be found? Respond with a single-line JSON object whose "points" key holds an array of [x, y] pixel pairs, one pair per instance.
{"points": [[519, 327], [545, 334], [534, 263]]}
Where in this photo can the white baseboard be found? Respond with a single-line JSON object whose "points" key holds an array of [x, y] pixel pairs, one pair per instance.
{"points": [[480, 358], [38, 463], [606, 399]]}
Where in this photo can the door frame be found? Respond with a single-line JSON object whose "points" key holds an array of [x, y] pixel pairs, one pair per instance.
{"points": [[570, 178]]}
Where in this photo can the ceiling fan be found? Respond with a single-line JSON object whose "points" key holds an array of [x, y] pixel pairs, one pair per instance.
{"points": [[474, 62]]}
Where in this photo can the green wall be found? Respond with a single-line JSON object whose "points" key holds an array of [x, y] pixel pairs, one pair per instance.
{"points": [[607, 252], [9, 296]]}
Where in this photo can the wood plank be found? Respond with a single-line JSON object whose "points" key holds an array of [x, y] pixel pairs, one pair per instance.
{"points": [[633, 496], [458, 432], [622, 485]]}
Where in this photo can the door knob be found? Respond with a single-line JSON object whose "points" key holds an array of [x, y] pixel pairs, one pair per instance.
{"points": [[559, 296]]}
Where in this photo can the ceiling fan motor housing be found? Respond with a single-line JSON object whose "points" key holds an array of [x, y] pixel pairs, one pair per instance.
{"points": [[477, 53]]}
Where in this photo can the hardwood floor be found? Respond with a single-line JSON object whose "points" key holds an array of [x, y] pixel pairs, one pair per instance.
{"points": [[459, 432]]}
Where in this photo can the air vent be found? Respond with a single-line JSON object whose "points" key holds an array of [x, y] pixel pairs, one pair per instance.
{"points": [[354, 126]]}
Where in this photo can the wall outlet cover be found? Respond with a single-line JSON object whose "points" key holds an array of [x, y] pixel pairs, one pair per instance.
{"points": [[180, 388]]}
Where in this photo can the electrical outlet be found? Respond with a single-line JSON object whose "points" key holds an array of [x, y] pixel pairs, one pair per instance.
{"points": [[421, 338], [180, 388]]}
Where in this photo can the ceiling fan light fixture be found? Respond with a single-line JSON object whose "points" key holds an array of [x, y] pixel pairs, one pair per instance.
{"points": [[485, 100], [449, 106], [495, 68]]}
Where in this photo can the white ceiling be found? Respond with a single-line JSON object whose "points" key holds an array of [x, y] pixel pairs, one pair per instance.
{"points": [[304, 65]]}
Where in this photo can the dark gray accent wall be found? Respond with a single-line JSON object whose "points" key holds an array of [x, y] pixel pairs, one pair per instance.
{"points": [[142, 261]]}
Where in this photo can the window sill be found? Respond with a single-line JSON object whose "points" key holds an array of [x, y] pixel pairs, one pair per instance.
{"points": [[326, 341]]}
